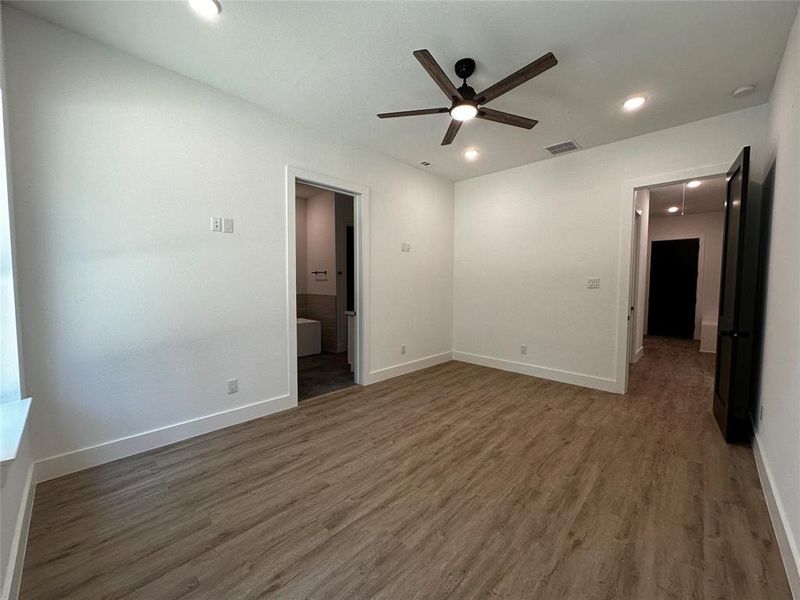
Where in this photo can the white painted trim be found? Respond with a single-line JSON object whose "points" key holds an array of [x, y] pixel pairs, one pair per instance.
{"points": [[780, 524], [638, 354], [13, 418], [628, 190], [360, 194], [16, 555], [589, 381], [77, 460], [409, 367]]}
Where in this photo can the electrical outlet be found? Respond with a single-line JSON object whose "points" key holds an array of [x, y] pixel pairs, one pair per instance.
{"points": [[227, 225], [403, 349], [216, 223], [593, 283], [233, 386], [405, 247], [523, 349]]}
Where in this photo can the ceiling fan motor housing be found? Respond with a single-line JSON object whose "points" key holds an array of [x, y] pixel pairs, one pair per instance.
{"points": [[465, 68]]}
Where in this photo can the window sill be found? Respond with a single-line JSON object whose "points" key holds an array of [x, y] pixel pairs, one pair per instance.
{"points": [[13, 417]]}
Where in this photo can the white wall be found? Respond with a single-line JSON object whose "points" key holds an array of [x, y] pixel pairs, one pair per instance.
{"points": [[527, 239], [708, 228], [134, 314], [321, 244], [778, 433]]}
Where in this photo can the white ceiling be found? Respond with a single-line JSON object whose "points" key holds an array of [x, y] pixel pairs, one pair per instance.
{"points": [[333, 65], [303, 190], [709, 196]]}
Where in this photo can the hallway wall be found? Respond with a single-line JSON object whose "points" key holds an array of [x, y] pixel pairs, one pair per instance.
{"points": [[778, 431], [527, 240], [708, 227]]}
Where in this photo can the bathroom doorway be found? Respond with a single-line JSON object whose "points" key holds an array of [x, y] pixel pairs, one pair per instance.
{"points": [[327, 281]]}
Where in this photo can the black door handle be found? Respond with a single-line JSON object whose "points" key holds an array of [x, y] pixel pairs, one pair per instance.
{"points": [[734, 334]]}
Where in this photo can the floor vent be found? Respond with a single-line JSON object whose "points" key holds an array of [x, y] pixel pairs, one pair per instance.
{"points": [[562, 147]]}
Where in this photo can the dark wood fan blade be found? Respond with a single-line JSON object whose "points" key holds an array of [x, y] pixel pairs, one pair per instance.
{"points": [[506, 118], [540, 65], [435, 71], [451, 132], [413, 113]]}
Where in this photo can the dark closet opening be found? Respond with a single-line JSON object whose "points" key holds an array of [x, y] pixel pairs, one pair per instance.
{"points": [[673, 288]]}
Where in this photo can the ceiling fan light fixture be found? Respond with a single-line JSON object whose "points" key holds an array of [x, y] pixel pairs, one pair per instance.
{"points": [[208, 9], [464, 111], [471, 154]]}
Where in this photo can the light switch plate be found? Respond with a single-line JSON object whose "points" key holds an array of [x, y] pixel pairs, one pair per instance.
{"points": [[227, 225], [593, 283], [233, 386]]}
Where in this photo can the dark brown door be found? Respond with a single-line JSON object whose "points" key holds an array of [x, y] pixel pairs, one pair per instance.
{"points": [[673, 288], [739, 304]]}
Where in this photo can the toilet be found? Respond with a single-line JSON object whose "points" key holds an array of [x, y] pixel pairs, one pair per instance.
{"points": [[309, 337]]}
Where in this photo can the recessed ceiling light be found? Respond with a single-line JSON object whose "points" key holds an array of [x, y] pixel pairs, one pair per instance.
{"points": [[464, 111], [634, 103], [471, 154], [208, 9], [673, 209], [745, 90], [693, 184]]}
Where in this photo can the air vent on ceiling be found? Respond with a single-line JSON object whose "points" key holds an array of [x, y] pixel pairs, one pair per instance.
{"points": [[562, 147], [425, 163]]}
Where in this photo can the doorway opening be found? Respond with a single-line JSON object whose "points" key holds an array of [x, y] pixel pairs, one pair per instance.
{"points": [[326, 337], [676, 263]]}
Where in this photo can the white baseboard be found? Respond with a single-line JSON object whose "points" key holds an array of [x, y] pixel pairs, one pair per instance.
{"points": [[409, 367], [589, 381], [638, 354], [780, 524], [63, 464], [16, 555]]}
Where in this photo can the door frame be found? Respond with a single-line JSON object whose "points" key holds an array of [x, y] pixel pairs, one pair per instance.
{"points": [[628, 191], [633, 300], [360, 194]]}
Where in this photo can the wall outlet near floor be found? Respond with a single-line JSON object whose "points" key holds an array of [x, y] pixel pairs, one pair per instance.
{"points": [[523, 349], [233, 386], [593, 283], [402, 349]]}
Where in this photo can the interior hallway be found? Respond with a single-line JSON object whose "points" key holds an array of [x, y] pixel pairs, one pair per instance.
{"points": [[457, 481]]}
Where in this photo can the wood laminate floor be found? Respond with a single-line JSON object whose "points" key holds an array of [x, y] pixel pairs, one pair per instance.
{"points": [[456, 482]]}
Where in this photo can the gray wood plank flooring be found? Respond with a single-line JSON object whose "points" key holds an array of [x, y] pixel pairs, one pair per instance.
{"points": [[456, 482]]}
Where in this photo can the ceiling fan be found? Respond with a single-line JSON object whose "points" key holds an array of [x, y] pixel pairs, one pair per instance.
{"points": [[466, 104]]}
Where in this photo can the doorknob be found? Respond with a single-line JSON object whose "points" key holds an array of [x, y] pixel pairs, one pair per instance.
{"points": [[734, 334]]}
